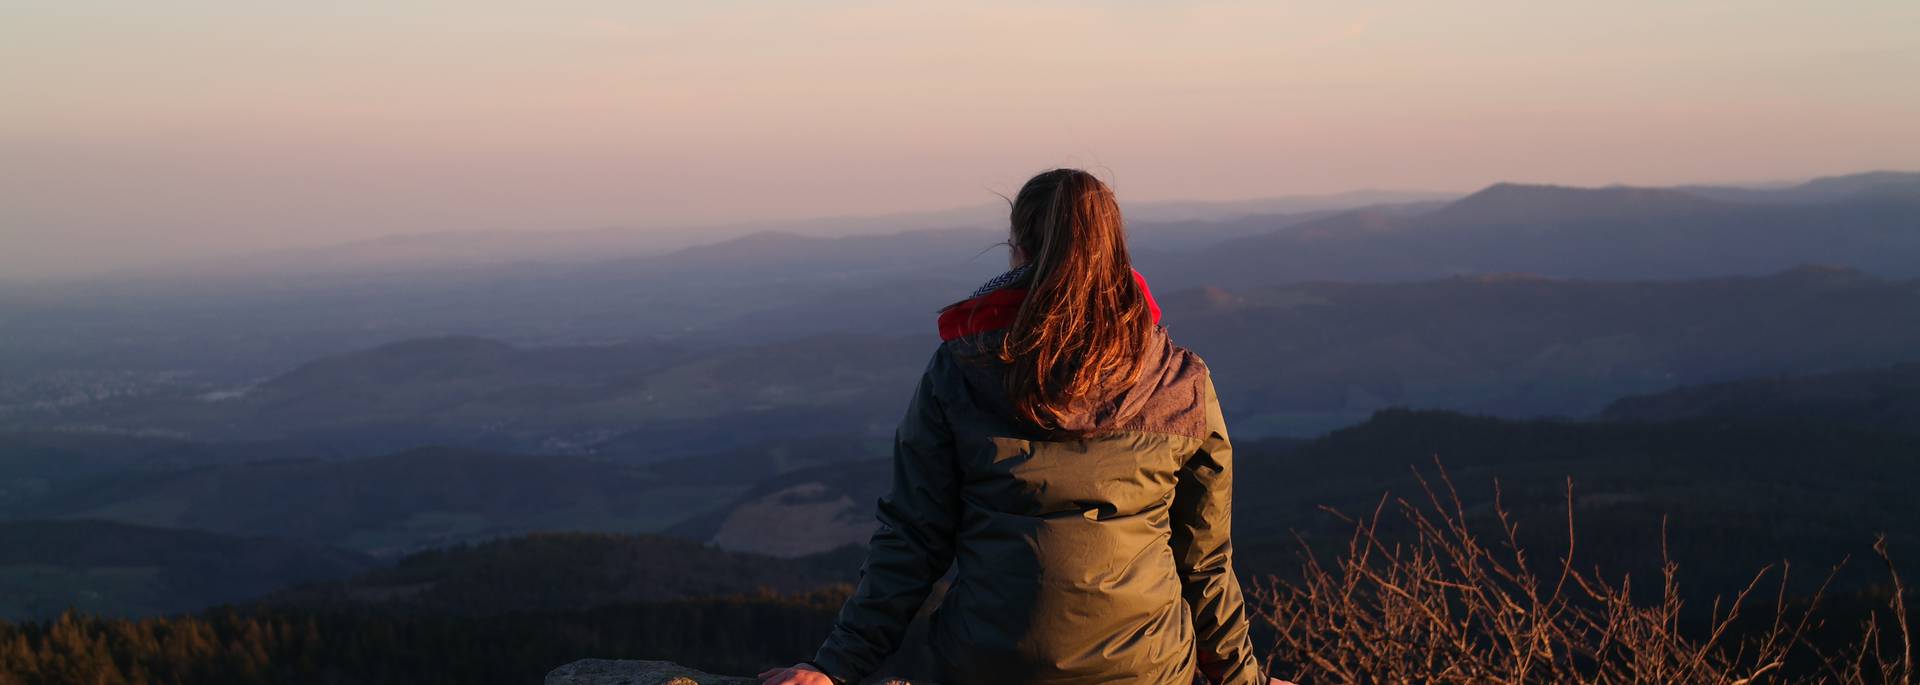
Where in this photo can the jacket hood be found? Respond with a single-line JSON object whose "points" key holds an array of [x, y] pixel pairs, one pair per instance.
{"points": [[974, 328]]}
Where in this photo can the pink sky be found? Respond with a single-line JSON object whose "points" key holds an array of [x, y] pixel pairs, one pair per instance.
{"points": [[143, 131]]}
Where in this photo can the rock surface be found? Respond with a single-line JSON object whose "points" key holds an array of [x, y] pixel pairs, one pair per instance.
{"points": [[630, 672]]}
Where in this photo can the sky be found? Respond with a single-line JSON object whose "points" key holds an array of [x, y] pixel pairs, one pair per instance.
{"points": [[140, 132]]}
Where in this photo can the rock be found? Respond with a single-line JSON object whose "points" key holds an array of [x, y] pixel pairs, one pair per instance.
{"points": [[631, 672]]}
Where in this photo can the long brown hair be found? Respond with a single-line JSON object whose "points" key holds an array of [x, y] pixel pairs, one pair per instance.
{"points": [[1084, 324]]}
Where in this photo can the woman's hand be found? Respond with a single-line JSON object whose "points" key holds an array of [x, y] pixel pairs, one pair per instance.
{"points": [[797, 674], [1277, 681]]}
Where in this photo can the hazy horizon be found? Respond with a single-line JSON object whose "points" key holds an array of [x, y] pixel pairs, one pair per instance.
{"points": [[143, 134], [835, 225]]}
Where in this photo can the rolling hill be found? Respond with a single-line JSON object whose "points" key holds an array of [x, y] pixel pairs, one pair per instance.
{"points": [[81, 343], [568, 572], [1294, 360], [116, 569], [36, 463], [485, 394], [1302, 359], [1731, 495], [1882, 399], [393, 504]]}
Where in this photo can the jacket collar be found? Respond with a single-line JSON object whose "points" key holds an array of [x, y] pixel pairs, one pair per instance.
{"points": [[996, 309]]}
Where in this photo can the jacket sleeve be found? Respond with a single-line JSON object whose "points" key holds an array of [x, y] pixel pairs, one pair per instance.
{"points": [[1203, 550], [912, 547]]}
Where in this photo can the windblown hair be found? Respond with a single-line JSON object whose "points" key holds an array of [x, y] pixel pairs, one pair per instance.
{"points": [[1084, 324]]}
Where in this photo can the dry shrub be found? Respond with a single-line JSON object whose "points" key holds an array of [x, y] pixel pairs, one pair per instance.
{"points": [[1442, 606]]}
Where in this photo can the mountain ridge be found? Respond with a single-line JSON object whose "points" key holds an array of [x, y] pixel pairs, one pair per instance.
{"points": [[1601, 233]]}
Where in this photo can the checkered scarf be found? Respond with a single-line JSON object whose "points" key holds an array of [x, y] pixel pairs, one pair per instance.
{"points": [[997, 282]]}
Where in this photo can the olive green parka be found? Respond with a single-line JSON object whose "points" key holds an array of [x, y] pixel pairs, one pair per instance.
{"points": [[1078, 560]]}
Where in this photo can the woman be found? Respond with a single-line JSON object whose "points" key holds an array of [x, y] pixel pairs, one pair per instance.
{"points": [[1071, 463]]}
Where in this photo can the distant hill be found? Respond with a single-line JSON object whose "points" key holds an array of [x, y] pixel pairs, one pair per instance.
{"points": [[822, 453], [1146, 239], [81, 342], [457, 249], [1302, 359], [393, 504], [1292, 360], [775, 255], [35, 463], [1881, 398], [485, 394], [32, 461], [1542, 207], [1826, 189], [1156, 214], [116, 569], [569, 571], [1733, 494], [1870, 222], [431, 497]]}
